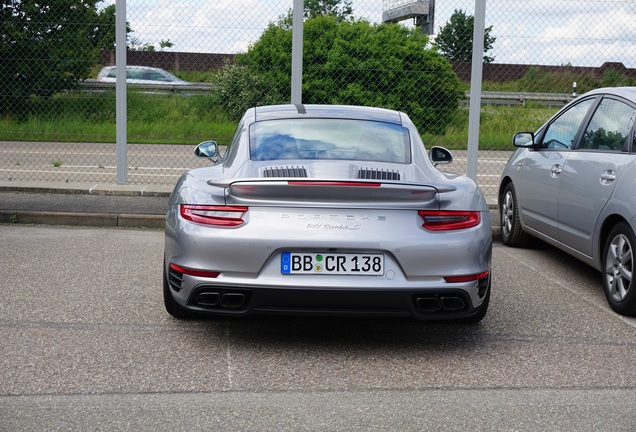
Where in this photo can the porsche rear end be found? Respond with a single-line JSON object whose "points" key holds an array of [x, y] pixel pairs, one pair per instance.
{"points": [[328, 247]]}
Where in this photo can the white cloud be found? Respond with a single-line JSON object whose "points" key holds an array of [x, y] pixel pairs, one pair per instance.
{"points": [[580, 32]]}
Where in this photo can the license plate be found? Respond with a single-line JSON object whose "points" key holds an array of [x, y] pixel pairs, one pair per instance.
{"points": [[332, 263]]}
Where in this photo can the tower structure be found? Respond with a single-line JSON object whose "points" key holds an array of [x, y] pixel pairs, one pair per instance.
{"points": [[422, 12]]}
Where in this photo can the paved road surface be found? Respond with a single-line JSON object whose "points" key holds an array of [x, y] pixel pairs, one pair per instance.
{"points": [[87, 345], [158, 164]]}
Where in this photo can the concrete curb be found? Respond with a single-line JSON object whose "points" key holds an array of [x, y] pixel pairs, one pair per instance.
{"points": [[86, 188], [126, 220], [112, 220], [141, 221], [82, 219]]}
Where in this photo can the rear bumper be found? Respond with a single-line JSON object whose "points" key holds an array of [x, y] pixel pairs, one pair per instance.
{"points": [[249, 264], [424, 304]]}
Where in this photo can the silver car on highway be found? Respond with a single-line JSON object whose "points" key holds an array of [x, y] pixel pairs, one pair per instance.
{"points": [[141, 75], [327, 210], [573, 184]]}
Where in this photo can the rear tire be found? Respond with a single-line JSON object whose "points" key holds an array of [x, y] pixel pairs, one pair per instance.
{"points": [[618, 269], [173, 308], [482, 310], [511, 232]]}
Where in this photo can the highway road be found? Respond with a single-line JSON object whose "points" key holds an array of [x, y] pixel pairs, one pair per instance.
{"points": [[87, 345], [157, 164]]}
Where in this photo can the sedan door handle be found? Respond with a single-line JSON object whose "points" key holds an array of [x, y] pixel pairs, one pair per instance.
{"points": [[608, 176], [556, 170]]}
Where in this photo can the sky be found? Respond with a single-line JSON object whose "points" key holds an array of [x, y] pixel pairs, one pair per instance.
{"points": [[547, 32]]}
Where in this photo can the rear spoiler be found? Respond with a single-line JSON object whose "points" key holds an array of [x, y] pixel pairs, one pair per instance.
{"points": [[309, 192]]}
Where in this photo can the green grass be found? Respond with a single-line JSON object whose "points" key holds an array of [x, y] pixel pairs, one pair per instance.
{"points": [[68, 130], [152, 119], [175, 119], [497, 125]]}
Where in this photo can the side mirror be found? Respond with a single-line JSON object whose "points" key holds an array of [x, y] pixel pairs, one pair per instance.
{"points": [[523, 139], [440, 156], [209, 150]]}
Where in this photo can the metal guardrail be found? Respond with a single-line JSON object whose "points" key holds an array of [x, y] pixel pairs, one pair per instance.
{"points": [[520, 98], [487, 97], [91, 85]]}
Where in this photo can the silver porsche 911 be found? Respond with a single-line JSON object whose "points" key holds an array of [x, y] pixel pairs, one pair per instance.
{"points": [[327, 210]]}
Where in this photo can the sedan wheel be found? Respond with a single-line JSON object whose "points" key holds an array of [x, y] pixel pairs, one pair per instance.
{"points": [[511, 232], [618, 265]]}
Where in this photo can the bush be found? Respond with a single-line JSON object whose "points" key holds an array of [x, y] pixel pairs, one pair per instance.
{"points": [[239, 89], [348, 62]]}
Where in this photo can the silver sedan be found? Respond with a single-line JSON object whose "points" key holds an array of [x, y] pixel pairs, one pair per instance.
{"points": [[141, 75], [572, 184], [327, 210]]}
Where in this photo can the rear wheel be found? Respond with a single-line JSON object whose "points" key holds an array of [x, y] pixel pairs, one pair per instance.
{"points": [[482, 310], [173, 308], [511, 232], [618, 270]]}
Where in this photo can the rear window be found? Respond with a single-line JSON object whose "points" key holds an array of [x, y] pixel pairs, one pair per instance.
{"points": [[329, 139]]}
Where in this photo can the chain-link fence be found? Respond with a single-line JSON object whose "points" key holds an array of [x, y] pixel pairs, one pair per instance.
{"points": [[57, 103]]}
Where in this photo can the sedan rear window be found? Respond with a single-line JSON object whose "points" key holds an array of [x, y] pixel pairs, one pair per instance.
{"points": [[609, 127], [329, 139]]}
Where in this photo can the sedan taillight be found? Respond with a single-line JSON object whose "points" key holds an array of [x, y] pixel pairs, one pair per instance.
{"points": [[224, 216], [446, 220]]}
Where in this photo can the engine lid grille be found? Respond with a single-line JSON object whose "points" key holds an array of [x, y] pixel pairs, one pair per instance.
{"points": [[378, 174], [285, 171]]}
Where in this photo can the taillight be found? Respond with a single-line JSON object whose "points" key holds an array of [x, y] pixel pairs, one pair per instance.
{"points": [[332, 183], [465, 278], [194, 272], [445, 220], [226, 216]]}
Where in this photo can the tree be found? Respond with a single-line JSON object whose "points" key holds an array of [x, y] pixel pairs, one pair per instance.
{"points": [[240, 89], [455, 39], [104, 36], [104, 25], [135, 44], [165, 43], [339, 9], [46, 48], [357, 63]]}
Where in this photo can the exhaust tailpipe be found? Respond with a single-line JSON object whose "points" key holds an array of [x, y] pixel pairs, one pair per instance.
{"points": [[428, 304], [232, 300], [208, 299], [452, 304]]}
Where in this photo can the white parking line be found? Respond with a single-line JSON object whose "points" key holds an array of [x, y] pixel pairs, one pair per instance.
{"points": [[599, 305]]}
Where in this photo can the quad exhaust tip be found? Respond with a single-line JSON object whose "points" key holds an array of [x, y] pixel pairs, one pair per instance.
{"points": [[232, 300], [428, 304], [213, 299], [208, 299], [452, 304], [437, 304]]}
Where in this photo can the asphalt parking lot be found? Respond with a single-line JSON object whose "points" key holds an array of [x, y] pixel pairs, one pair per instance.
{"points": [[87, 345]]}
